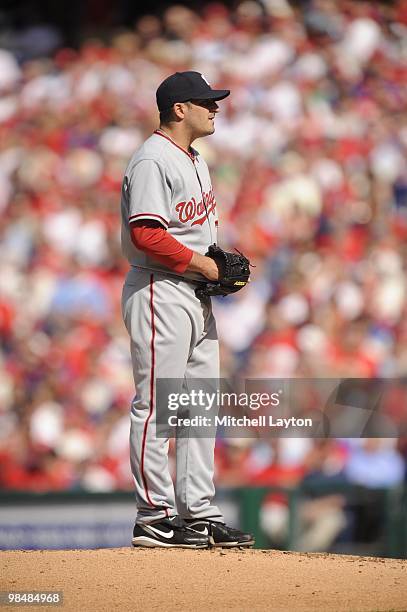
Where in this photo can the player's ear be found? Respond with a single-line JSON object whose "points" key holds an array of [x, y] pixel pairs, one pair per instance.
{"points": [[179, 110]]}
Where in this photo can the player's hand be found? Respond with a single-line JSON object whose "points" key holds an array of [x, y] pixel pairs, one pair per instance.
{"points": [[211, 271], [205, 266]]}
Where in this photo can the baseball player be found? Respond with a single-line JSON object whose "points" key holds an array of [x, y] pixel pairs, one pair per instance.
{"points": [[169, 220]]}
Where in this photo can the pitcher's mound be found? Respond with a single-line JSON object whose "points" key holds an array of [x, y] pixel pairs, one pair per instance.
{"points": [[174, 580]]}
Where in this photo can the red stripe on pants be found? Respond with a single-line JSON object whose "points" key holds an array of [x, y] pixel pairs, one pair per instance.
{"points": [[143, 476]]}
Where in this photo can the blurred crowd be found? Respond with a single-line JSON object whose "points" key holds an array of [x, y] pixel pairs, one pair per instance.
{"points": [[309, 169]]}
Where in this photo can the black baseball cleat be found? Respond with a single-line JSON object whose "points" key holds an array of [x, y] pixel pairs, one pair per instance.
{"points": [[171, 532], [220, 534]]}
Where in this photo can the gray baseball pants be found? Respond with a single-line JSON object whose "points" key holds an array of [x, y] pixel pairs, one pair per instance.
{"points": [[173, 335]]}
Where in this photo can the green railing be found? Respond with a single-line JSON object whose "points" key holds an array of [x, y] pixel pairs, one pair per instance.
{"points": [[393, 502]]}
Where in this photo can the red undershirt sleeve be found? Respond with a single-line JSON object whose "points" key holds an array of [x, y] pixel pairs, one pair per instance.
{"points": [[151, 238]]}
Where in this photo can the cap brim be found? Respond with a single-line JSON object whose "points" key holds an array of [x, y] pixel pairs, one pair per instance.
{"points": [[215, 94]]}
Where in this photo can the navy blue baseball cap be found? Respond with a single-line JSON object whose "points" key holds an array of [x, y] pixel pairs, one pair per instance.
{"points": [[185, 86]]}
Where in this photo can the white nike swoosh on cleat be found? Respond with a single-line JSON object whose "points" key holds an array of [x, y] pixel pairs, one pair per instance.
{"points": [[163, 534], [205, 532]]}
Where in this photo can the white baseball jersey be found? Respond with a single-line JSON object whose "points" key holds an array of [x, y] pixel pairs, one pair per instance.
{"points": [[165, 183]]}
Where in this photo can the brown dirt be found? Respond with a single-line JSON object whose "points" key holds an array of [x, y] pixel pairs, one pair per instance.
{"points": [[174, 580]]}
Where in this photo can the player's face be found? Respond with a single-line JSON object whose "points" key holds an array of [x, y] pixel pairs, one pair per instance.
{"points": [[201, 117]]}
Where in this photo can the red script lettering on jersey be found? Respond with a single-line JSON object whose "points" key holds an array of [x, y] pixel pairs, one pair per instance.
{"points": [[187, 211]]}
